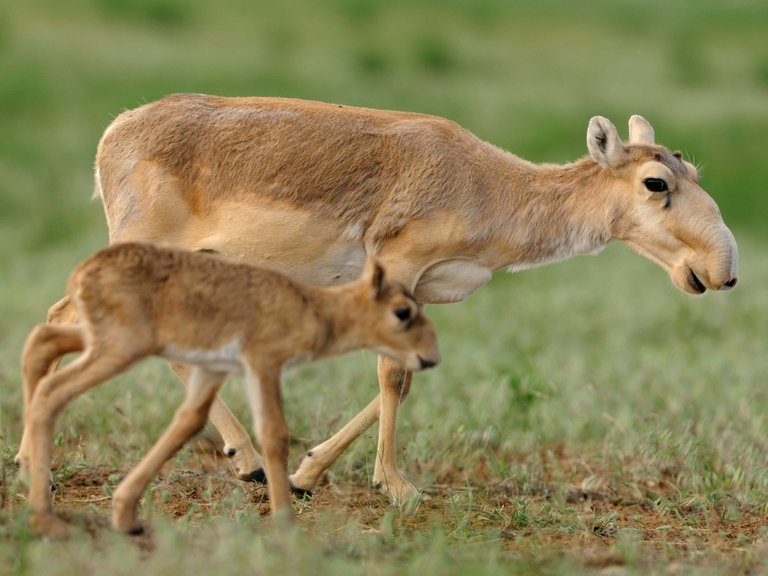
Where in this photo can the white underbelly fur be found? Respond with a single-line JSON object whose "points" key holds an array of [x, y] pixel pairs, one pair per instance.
{"points": [[224, 358]]}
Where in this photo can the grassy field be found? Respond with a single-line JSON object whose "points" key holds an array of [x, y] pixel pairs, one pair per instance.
{"points": [[587, 418]]}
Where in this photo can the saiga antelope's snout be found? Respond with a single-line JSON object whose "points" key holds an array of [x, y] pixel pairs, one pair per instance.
{"points": [[712, 266]]}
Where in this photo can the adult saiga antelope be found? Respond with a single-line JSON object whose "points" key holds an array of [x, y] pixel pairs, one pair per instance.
{"points": [[310, 189], [134, 300]]}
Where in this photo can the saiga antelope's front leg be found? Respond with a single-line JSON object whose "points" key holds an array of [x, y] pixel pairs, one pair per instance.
{"points": [[395, 384], [320, 458]]}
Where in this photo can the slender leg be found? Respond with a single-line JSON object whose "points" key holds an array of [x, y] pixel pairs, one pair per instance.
{"points": [[263, 387], [53, 393], [237, 443], [319, 458], [391, 378], [395, 382], [62, 318], [188, 420], [44, 347]]}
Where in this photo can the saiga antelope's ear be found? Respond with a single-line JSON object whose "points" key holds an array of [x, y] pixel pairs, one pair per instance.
{"points": [[604, 143], [640, 131], [373, 276]]}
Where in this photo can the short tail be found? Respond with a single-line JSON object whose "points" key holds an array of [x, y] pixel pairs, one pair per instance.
{"points": [[63, 312]]}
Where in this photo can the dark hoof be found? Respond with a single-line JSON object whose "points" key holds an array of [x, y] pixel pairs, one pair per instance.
{"points": [[137, 531], [53, 487], [257, 476], [301, 493]]}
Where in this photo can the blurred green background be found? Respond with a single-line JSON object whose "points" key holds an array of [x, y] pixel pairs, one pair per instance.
{"points": [[526, 76]]}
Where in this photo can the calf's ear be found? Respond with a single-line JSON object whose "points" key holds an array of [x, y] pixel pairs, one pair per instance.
{"points": [[373, 275], [604, 143]]}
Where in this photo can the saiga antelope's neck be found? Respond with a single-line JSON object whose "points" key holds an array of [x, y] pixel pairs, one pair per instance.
{"points": [[550, 212]]}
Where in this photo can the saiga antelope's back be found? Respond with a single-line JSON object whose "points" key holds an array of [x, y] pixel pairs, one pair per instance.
{"points": [[271, 180]]}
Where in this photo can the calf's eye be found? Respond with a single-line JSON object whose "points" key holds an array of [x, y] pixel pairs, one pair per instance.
{"points": [[403, 313], [656, 184]]}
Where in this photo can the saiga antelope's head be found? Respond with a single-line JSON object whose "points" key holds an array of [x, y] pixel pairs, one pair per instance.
{"points": [[662, 212]]}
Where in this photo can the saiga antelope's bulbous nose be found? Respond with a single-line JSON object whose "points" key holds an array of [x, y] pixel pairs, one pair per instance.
{"points": [[730, 284]]}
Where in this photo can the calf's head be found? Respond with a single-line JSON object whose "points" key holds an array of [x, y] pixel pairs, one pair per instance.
{"points": [[661, 212], [392, 323]]}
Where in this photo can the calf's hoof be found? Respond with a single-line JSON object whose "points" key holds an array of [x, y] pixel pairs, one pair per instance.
{"points": [[51, 526], [127, 524]]}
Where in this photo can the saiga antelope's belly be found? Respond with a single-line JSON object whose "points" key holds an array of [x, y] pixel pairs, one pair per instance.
{"points": [[292, 241], [316, 250]]}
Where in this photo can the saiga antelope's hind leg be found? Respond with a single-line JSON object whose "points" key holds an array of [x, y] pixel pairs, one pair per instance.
{"points": [[395, 385], [45, 346], [189, 419], [237, 443], [53, 393]]}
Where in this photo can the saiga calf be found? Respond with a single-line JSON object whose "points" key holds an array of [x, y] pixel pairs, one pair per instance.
{"points": [[135, 300]]}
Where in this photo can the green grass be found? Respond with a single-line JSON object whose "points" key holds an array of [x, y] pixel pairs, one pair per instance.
{"points": [[586, 415]]}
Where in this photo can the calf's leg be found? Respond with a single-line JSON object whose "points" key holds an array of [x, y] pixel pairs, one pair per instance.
{"points": [[189, 419]]}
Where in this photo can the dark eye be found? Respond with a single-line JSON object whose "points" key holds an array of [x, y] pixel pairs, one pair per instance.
{"points": [[655, 185], [403, 314]]}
